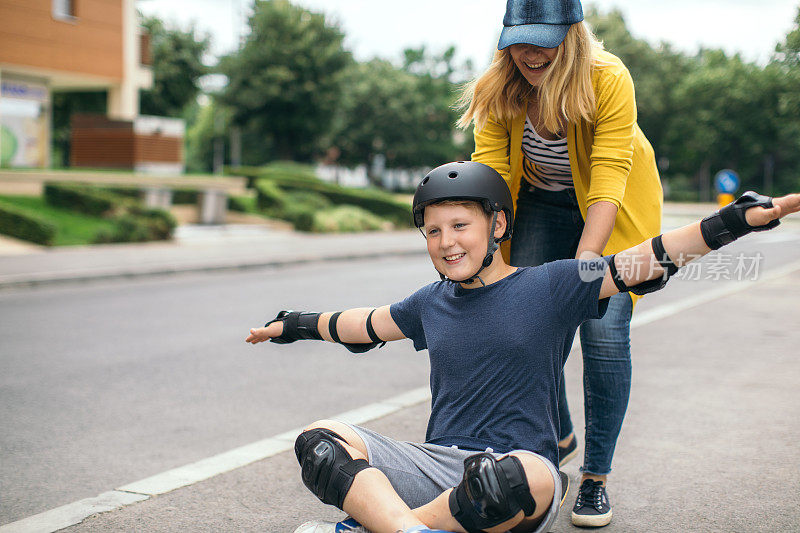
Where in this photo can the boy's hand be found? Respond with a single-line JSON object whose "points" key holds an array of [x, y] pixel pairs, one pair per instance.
{"points": [[785, 205], [264, 334]]}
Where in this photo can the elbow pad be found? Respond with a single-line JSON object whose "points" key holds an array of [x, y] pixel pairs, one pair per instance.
{"points": [[356, 347], [651, 285], [730, 223]]}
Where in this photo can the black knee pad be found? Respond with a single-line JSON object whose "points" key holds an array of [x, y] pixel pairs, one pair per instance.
{"points": [[491, 492], [327, 469]]}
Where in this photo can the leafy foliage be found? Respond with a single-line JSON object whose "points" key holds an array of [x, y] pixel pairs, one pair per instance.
{"points": [[177, 65], [714, 111], [285, 84], [402, 113]]}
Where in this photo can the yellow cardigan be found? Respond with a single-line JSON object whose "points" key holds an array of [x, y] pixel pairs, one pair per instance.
{"points": [[610, 158]]}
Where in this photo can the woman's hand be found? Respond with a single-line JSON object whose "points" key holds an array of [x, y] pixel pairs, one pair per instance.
{"points": [[785, 205], [264, 334]]}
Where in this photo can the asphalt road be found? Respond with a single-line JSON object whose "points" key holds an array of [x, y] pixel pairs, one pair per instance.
{"points": [[106, 383]]}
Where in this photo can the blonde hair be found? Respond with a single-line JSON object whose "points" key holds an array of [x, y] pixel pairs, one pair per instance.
{"points": [[565, 94]]}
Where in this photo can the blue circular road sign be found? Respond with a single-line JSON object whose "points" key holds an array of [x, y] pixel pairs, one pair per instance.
{"points": [[726, 181]]}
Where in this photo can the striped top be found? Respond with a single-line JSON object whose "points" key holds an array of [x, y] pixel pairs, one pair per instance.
{"points": [[546, 163]]}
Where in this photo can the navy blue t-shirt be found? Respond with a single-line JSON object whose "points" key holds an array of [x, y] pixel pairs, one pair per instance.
{"points": [[497, 353]]}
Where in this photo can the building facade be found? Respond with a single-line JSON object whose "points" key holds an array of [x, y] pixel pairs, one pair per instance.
{"points": [[69, 45]]}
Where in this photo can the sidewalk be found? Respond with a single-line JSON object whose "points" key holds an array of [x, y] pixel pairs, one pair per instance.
{"points": [[196, 249], [230, 247]]}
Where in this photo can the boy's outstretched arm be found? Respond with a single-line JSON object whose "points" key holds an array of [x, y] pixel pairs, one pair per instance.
{"points": [[639, 264], [351, 327]]}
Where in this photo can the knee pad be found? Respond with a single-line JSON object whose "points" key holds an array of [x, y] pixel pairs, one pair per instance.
{"points": [[327, 469], [491, 492]]}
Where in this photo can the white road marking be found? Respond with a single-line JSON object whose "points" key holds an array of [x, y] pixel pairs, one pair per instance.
{"points": [[75, 513], [663, 311], [72, 513]]}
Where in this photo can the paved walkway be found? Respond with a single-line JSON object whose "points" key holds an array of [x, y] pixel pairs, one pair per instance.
{"points": [[207, 248], [197, 249]]}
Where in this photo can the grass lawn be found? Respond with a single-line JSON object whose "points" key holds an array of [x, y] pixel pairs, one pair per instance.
{"points": [[72, 227]]}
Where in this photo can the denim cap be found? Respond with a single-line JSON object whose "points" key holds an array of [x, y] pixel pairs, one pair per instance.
{"points": [[538, 22]]}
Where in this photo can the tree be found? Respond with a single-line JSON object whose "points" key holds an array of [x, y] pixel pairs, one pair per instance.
{"points": [[714, 111], [285, 83], [404, 113], [177, 65], [655, 72], [784, 73]]}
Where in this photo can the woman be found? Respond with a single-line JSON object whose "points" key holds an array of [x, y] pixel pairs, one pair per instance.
{"points": [[556, 116]]}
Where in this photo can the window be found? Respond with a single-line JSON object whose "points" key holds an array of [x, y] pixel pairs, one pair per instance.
{"points": [[64, 10]]}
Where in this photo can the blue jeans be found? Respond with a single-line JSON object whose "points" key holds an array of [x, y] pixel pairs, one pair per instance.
{"points": [[547, 227]]}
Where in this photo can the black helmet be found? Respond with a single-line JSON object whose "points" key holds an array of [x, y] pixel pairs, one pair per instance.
{"points": [[465, 180]]}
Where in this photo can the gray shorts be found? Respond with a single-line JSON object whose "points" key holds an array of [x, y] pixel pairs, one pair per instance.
{"points": [[421, 472]]}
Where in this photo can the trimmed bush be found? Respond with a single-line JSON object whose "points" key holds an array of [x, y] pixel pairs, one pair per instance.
{"points": [[25, 226], [241, 204], [269, 196], [160, 223], [128, 192], [289, 169], [149, 225], [300, 215], [298, 177], [347, 218], [84, 199], [310, 199], [378, 202], [127, 228], [132, 221]]}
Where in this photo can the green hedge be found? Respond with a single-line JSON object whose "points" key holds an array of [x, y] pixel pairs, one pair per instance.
{"points": [[269, 196], [241, 204], [160, 223], [133, 222], [84, 199], [25, 226], [346, 218], [377, 202], [128, 192], [288, 169], [297, 207], [273, 180], [138, 228]]}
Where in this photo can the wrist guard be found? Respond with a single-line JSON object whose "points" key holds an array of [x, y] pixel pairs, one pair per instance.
{"points": [[730, 223], [296, 326]]}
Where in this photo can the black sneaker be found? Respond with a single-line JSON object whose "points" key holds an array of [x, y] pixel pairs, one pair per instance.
{"points": [[567, 453], [592, 507]]}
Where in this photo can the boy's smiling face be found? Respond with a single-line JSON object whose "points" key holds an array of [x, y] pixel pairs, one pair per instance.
{"points": [[457, 235]]}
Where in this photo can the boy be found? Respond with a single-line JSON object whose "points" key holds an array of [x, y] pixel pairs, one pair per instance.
{"points": [[495, 334]]}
